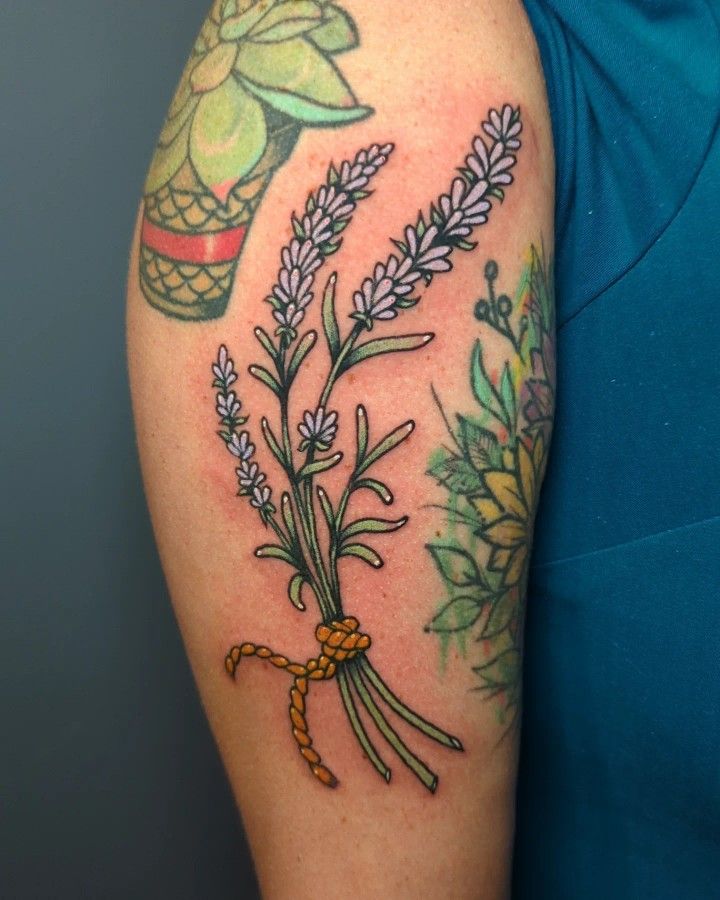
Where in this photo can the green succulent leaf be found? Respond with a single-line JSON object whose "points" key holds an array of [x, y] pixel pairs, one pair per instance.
{"points": [[295, 78], [372, 526], [174, 124], [167, 160], [460, 613], [213, 68], [396, 344], [366, 554], [295, 591], [287, 20], [235, 27], [307, 111], [337, 31], [457, 566], [227, 138]]}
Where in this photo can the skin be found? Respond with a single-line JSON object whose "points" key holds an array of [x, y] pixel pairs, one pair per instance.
{"points": [[450, 62]]}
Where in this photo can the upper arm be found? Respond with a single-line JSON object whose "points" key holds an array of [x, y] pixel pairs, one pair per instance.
{"points": [[283, 160]]}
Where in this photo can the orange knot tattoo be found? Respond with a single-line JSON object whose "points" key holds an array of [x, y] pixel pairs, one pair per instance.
{"points": [[339, 641]]}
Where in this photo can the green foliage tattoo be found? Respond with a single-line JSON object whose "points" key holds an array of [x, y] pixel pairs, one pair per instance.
{"points": [[315, 533], [492, 471], [260, 70]]}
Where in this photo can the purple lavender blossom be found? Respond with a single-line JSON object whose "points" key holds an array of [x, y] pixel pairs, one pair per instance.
{"points": [[427, 247], [250, 478], [504, 126], [224, 369], [318, 431], [260, 499], [227, 403], [228, 406], [317, 235], [239, 445]]}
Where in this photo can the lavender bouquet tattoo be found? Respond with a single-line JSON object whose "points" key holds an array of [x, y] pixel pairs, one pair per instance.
{"points": [[423, 253]]}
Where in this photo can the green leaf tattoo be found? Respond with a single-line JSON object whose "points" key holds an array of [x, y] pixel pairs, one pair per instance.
{"points": [[492, 475], [315, 532], [259, 72]]}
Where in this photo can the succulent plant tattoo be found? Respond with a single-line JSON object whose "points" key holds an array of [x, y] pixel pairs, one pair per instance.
{"points": [[491, 470], [315, 533], [260, 70]]}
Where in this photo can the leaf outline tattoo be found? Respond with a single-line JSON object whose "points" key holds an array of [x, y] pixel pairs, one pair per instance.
{"points": [[492, 474]]}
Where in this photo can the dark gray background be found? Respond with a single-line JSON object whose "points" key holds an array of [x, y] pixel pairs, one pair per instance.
{"points": [[110, 785]]}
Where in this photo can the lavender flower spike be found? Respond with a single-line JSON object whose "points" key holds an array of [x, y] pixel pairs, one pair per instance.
{"points": [[238, 443], [427, 246], [317, 236], [318, 431]]}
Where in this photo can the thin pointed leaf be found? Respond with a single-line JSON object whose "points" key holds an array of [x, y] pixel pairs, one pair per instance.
{"points": [[371, 526], [362, 434], [273, 551], [320, 465], [483, 389], [289, 518], [266, 343], [366, 554], [330, 324], [507, 395], [388, 443], [301, 351], [327, 509], [272, 443], [397, 344], [295, 591], [267, 379], [372, 484]]}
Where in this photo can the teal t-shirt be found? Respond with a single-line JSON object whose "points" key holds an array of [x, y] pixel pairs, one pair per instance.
{"points": [[620, 773]]}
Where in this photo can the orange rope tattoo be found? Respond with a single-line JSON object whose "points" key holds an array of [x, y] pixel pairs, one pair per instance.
{"points": [[339, 641]]}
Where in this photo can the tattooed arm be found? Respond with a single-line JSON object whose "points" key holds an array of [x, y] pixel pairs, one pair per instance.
{"points": [[341, 334]]}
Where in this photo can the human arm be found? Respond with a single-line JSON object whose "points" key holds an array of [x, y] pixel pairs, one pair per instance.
{"points": [[466, 472]]}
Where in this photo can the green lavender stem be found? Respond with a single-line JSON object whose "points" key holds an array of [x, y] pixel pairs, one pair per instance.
{"points": [[357, 725], [416, 765]]}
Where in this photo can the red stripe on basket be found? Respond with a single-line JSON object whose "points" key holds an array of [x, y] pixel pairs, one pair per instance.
{"points": [[211, 247]]}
